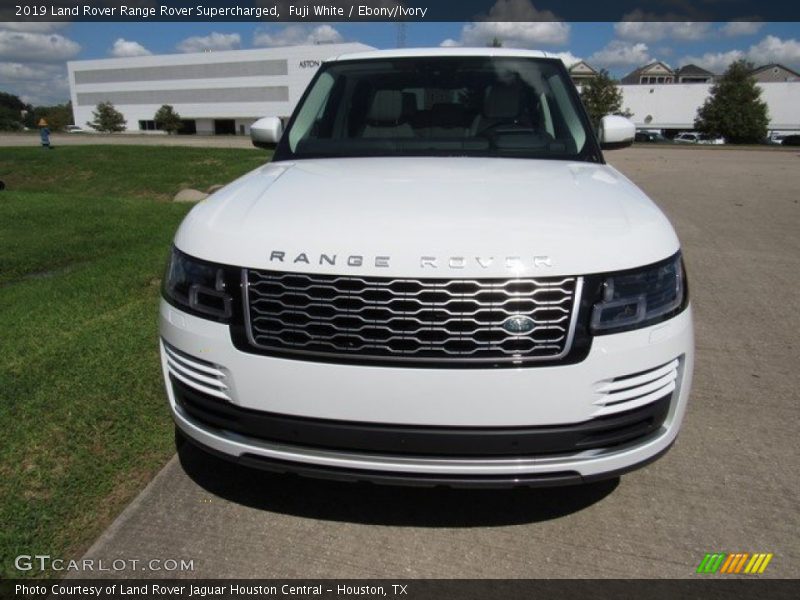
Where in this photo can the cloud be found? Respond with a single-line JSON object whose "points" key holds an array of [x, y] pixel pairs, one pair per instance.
{"points": [[517, 24], [35, 47], [295, 35], [15, 71], [45, 93], [771, 49], [619, 53], [515, 34], [33, 61], [211, 42], [516, 10], [37, 84], [35, 27], [639, 26], [123, 48], [737, 28], [568, 58], [716, 62]]}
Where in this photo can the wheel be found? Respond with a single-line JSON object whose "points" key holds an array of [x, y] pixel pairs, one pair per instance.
{"points": [[180, 438]]}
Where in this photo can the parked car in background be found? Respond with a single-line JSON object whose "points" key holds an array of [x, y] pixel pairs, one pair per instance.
{"points": [[791, 140], [775, 138], [692, 137], [74, 129], [651, 137], [713, 140], [687, 137]]}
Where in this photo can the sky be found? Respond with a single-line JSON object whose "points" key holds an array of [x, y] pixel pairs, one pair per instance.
{"points": [[33, 56]]}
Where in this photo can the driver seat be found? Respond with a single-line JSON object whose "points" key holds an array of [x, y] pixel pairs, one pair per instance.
{"points": [[503, 104], [385, 118]]}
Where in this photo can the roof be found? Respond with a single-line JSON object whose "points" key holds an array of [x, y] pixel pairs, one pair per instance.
{"points": [[772, 66], [422, 52], [179, 58], [693, 71], [582, 65], [633, 76]]}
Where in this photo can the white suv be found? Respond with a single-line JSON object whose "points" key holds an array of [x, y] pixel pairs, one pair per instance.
{"points": [[436, 280]]}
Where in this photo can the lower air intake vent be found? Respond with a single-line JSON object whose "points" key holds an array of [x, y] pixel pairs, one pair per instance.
{"points": [[638, 389], [201, 375]]}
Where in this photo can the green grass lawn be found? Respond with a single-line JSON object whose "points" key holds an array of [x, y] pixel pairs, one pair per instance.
{"points": [[84, 235]]}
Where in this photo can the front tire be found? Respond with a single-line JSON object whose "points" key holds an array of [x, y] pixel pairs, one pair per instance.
{"points": [[180, 439]]}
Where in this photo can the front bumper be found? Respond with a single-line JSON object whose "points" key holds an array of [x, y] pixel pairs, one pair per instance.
{"points": [[469, 401]]}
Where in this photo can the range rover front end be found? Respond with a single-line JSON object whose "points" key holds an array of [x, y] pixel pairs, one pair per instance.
{"points": [[436, 281]]}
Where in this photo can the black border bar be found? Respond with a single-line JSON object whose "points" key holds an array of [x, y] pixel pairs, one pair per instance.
{"points": [[697, 587], [398, 10]]}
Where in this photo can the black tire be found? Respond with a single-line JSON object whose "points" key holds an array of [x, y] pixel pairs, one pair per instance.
{"points": [[180, 439]]}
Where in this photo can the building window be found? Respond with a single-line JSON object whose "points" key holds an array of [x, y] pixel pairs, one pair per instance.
{"points": [[148, 126]]}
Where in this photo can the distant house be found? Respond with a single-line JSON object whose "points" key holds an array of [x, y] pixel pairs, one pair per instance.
{"points": [[775, 73], [693, 74], [655, 72], [582, 72]]}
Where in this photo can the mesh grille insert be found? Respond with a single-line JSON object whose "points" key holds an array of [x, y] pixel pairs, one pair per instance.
{"points": [[410, 319]]}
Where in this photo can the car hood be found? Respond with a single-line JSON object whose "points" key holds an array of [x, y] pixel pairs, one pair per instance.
{"points": [[430, 217]]}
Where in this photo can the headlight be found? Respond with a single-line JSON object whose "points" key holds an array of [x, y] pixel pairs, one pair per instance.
{"points": [[197, 286], [641, 297]]}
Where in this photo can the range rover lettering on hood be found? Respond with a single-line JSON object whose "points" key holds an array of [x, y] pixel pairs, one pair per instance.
{"points": [[513, 263]]}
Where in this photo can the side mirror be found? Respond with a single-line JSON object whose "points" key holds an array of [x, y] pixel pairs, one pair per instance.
{"points": [[616, 132], [266, 132]]}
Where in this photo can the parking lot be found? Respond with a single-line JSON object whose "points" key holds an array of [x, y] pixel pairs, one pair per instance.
{"points": [[730, 484]]}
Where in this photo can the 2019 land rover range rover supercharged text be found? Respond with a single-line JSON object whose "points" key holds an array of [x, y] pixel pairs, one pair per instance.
{"points": [[436, 280]]}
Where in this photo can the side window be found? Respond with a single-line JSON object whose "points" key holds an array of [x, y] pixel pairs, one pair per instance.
{"points": [[547, 116], [569, 114], [312, 109]]}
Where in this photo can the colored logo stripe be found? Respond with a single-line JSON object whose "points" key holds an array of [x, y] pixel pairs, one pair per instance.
{"points": [[734, 563], [758, 563], [711, 562]]}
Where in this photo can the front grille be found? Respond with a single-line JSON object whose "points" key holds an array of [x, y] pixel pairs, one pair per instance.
{"points": [[374, 318]]}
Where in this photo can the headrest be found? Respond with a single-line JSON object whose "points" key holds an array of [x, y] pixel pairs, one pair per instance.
{"points": [[502, 102], [387, 106]]}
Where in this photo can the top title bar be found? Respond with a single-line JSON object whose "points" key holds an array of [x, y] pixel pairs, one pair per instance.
{"points": [[398, 10]]}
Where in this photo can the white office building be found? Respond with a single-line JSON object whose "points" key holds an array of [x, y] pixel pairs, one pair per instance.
{"points": [[674, 106], [214, 92]]}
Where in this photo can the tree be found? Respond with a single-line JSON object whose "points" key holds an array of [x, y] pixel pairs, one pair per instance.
{"points": [[11, 112], [601, 97], [107, 118], [13, 102], [167, 119], [10, 120], [495, 43], [734, 109], [57, 117]]}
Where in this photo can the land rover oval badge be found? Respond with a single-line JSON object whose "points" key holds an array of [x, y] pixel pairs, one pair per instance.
{"points": [[519, 324]]}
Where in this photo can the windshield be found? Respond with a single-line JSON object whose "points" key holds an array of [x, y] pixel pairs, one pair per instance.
{"points": [[441, 106]]}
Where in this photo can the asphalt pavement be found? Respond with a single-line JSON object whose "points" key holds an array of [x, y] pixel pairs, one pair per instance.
{"points": [[730, 484]]}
